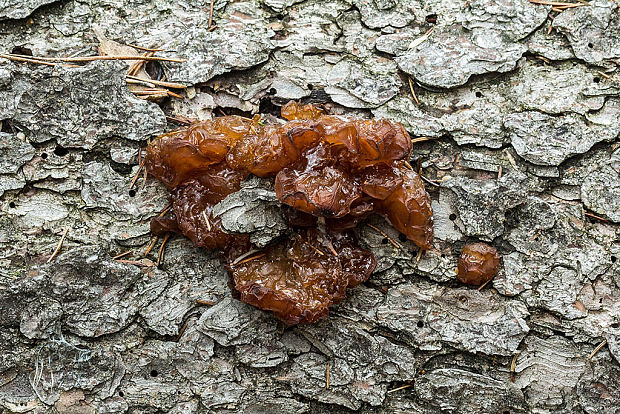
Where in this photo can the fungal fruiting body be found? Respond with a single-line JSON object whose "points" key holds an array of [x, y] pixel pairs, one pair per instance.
{"points": [[300, 278], [478, 264], [325, 167]]}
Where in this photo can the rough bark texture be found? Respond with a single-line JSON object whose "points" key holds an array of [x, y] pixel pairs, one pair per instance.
{"points": [[524, 142]]}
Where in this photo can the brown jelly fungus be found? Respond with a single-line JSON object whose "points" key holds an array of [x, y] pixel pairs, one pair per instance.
{"points": [[478, 264], [330, 173], [300, 278]]}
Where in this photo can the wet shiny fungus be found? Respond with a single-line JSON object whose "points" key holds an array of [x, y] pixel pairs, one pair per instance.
{"points": [[478, 264], [330, 174], [300, 278]]}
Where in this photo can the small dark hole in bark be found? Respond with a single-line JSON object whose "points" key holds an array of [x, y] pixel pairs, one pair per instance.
{"points": [[590, 45], [20, 50], [12, 204], [596, 80], [272, 91], [443, 255], [44, 155], [310, 87], [431, 18], [132, 193], [384, 241], [615, 325], [121, 394], [402, 237], [154, 373], [61, 151], [478, 94], [420, 324], [452, 216], [506, 412], [154, 70], [613, 259]]}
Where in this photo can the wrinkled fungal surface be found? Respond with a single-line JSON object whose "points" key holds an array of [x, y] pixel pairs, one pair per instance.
{"points": [[478, 264], [326, 167], [300, 278]]}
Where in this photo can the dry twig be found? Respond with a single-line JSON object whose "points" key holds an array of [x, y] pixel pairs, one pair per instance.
{"points": [[118, 256], [160, 254], [151, 91], [399, 388], [603, 74], [136, 66], [150, 246], [415, 98], [210, 15], [595, 216], [484, 284], [327, 373], [421, 139], [422, 38], [204, 214], [62, 239], [320, 253], [159, 83], [513, 366], [135, 177], [93, 58], [176, 95], [431, 182], [137, 262], [138, 81], [384, 234], [244, 255], [598, 348], [24, 59], [330, 246], [249, 259], [165, 210]]}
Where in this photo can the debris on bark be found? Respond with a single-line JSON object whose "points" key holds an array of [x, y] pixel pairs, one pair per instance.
{"points": [[515, 120]]}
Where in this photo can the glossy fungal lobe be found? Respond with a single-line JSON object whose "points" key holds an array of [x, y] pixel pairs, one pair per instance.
{"points": [[324, 166], [300, 278], [478, 264]]}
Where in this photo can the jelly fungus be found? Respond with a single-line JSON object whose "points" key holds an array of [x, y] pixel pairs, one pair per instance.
{"points": [[325, 167], [478, 264]]}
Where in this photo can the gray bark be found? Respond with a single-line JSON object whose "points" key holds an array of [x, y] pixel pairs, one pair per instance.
{"points": [[526, 153]]}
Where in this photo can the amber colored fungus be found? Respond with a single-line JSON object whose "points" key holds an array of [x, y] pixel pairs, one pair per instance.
{"points": [[300, 278], [324, 166], [478, 264]]}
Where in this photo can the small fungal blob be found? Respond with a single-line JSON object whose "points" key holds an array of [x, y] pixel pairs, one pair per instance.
{"points": [[330, 174], [478, 264]]}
